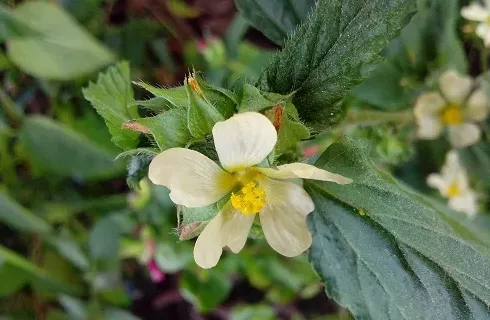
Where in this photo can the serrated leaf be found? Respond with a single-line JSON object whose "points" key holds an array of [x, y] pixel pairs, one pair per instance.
{"points": [[428, 42], [57, 149], [63, 50], [402, 258], [112, 98], [169, 128], [336, 49], [275, 18], [16, 216]]}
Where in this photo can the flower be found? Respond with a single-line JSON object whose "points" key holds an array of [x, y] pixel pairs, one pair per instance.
{"points": [[456, 107], [479, 13], [453, 184], [241, 142]]}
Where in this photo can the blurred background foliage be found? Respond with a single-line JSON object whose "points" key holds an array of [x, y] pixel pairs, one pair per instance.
{"points": [[78, 243]]}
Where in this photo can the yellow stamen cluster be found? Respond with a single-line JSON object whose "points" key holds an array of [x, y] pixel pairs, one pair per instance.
{"points": [[488, 20], [453, 190], [250, 199], [451, 115]]}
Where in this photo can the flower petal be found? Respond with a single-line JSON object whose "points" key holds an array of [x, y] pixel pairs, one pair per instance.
{"points": [[244, 140], [466, 203], [283, 218], [229, 228], [429, 105], [477, 107], [429, 128], [464, 135], [193, 179], [438, 182], [303, 171], [474, 12], [483, 31], [455, 87]]}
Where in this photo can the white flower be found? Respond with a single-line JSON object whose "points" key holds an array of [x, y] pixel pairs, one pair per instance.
{"points": [[479, 13], [453, 185], [241, 142], [456, 108]]}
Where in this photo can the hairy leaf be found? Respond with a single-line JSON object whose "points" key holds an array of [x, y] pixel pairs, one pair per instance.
{"points": [[112, 97], [335, 50], [275, 18], [386, 252]]}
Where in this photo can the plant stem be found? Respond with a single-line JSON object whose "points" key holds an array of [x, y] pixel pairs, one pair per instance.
{"points": [[484, 59], [12, 110], [370, 117]]}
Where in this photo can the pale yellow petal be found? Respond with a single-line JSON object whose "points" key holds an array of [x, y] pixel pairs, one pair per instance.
{"points": [[477, 107], [229, 228], [244, 140], [193, 179], [438, 182], [455, 87], [474, 12], [464, 135], [429, 105], [483, 31], [429, 128], [466, 203], [303, 171], [283, 218]]}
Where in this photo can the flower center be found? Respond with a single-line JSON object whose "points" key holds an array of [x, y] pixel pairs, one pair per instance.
{"points": [[451, 115], [488, 20], [453, 190], [250, 199]]}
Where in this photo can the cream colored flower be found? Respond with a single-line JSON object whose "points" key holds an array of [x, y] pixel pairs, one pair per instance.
{"points": [[479, 13], [453, 185], [456, 108], [242, 142]]}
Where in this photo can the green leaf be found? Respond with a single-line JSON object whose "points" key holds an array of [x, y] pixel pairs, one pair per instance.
{"points": [[476, 160], [275, 18], [175, 97], [62, 51], [172, 257], [119, 314], [206, 290], [77, 309], [57, 149], [112, 98], [12, 27], [253, 311], [428, 42], [20, 218], [12, 279], [169, 128], [36, 274], [291, 130], [69, 249], [201, 115], [255, 100], [103, 241], [386, 252], [336, 49]]}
